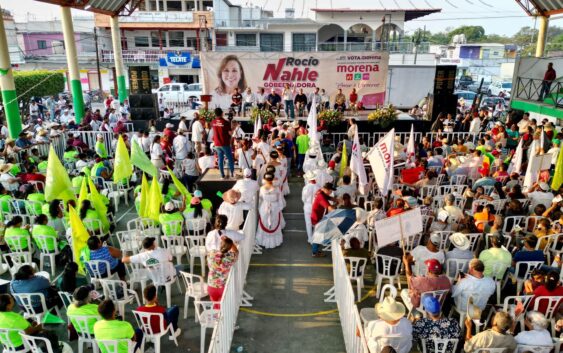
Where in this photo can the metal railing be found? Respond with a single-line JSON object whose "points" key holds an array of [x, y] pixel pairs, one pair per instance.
{"points": [[89, 138], [530, 89], [392, 47], [140, 55], [344, 295], [234, 294]]}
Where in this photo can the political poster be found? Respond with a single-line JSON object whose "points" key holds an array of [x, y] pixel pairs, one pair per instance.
{"points": [[381, 159], [403, 225], [366, 72]]}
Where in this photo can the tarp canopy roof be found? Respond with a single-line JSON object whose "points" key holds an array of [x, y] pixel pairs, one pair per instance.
{"points": [[541, 7], [107, 7]]}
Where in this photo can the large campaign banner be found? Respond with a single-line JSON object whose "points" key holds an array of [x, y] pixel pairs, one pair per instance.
{"points": [[364, 71]]}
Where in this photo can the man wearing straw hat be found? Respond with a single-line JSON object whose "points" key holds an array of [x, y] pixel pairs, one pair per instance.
{"points": [[392, 322], [307, 196]]}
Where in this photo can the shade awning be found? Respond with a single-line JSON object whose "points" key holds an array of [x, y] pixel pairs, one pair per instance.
{"points": [[106, 7]]}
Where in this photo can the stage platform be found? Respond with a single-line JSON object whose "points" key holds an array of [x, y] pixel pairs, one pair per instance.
{"points": [[210, 183]]}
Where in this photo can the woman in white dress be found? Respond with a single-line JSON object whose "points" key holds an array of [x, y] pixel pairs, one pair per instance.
{"points": [[270, 218], [275, 168], [285, 170]]}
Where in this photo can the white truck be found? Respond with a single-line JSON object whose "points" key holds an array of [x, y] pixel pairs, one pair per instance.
{"points": [[180, 92]]}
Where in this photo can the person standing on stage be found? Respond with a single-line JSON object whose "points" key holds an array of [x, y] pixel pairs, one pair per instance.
{"points": [[222, 141]]}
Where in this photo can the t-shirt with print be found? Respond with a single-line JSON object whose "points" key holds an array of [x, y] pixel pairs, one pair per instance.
{"points": [[156, 257], [13, 321], [114, 330], [219, 267], [84, 310], [221, 132]]}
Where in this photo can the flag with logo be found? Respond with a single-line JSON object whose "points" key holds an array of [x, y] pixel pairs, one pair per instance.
{"points": [[57, 181], [122, 167], [312, 122], [516, 161], [382, 160], [357, 164], [140, 160], [79, 237], [531, 175]]}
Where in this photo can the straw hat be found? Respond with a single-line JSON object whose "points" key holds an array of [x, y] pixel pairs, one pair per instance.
{"points": [[389, 309], [361, 215], [4, 168], [310, 175], [231, 196], [460, 241]]}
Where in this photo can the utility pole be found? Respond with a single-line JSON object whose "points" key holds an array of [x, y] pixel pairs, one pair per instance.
{"points": [[98, 59]]}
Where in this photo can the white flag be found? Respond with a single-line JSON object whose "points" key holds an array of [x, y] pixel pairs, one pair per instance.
{"points": [[531, 175], [382, 161], [410, 149], [312, 122], [357, 164], [257, 126], [516, 161]]}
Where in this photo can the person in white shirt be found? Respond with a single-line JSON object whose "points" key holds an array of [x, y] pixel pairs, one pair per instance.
{"points": [[213, 238], [65, 117], [145, 142], [182, 124], [244, 156], [554, 151], [391, 322], [308, 196], [207, 161], [198, 133], [540, 194], [233, 209], [154, 256], [358, 229], [422, 253], [346, 188], [475, 126], [247, 187], [180, 145], [157, 154], [137, 137], [249, 100], [524, 123], [9, 182], [238, 132], [473, 284], [261, 98], [537, 333]]}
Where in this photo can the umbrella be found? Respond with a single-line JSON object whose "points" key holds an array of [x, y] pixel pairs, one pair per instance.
{"points": [[334, 225]]}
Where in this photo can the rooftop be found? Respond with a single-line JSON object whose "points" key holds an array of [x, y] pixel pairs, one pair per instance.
{"points": [[410, 14]]}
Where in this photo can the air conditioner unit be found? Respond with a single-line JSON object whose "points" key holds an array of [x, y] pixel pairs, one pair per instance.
{"points": [[58, 47]]}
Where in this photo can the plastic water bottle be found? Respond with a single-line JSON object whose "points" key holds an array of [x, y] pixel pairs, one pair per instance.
{"points": [[240, 349]]}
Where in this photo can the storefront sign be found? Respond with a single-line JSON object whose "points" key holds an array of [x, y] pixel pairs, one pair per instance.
{"points": [[178, 58], [364, 71]]}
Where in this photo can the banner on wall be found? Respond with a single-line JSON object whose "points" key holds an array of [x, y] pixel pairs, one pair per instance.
{"points": [[364, 71]]}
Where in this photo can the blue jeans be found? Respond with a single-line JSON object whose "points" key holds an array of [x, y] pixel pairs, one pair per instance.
{"points": [[316, 248], [138, 339], [171, 316], [223, 151], [300, 161], [545, 86], [289, 110]]}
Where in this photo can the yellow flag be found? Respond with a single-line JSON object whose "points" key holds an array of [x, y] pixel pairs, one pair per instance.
{"points": [[79, 237], [155, 200], [99, 205], [122, 168], [181, 188], [343, 160], [83, 191], [143, 209], [57, 182], [558, 175]]}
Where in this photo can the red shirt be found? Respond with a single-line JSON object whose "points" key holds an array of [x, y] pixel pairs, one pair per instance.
{"points": [[155, 324], [221, 132], [550, 75], [542, 291], [395, 211], [353, 97], [320, 207]]}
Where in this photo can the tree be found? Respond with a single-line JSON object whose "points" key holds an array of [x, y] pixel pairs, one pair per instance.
{"points": [[439, 38], [525, 36], [38, 83], [472, 33]]}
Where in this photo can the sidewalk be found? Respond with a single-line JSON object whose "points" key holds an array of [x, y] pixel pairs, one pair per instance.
{"points": [[289, 313]]}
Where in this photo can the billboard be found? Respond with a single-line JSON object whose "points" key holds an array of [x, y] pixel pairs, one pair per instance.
{"points": [[364, 71]]}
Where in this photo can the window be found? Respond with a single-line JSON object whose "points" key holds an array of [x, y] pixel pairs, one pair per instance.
{"points": [[173, 5], [142, 42], [304, 41], [155, 39], [271, 42], [246, 39], [176, 88], [157, 7], [164, 89], [41, 44], [191, 42], [176, 39], [221, 39]]}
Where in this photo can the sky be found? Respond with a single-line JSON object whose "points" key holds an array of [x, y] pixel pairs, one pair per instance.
{"points": [[503, 17]]}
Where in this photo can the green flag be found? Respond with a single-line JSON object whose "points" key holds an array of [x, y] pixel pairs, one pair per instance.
{"points": [[52, 319], [181, 188], [144, 207], [343, 161], [122, 168], [99, 205], [155, 200], [79, 237], [558, 175], [141, 161], [83, 192], [57, 182]]}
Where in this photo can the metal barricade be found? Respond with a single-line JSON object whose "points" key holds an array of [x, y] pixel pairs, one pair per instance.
{"points": [[234, 295], [89, 138]]}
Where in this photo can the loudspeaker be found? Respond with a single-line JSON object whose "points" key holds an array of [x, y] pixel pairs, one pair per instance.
{"points": [[444, 104], [143, 113], [143, 101]]}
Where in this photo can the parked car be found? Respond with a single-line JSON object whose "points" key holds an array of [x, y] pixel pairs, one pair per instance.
{"points": [[180, 92], [491, 102], [468, 97], [463, 81], [474, 87], [498, 87]]}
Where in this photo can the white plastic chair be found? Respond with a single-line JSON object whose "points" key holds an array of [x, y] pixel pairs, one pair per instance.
{"points": [[512, 221], [144, 322], [43, 241], [112, 346], [66, 298], [196, 227], [25, 302], [383, 265], [129, 242], [160, 278], [357, 271], [16, 243], [172, 228], [196, 249], [37, 344], [458, 180], [521, 348], [207, 316], [81, 324], [454, 267], [553, 303], [18, 260], [111, 291], [6, 340], [438, 294], [196, 288], [527, 267], [440, 345], [137, 274], [94, 226], [113, 192], [95, 272], [394, 341], [176, 245], [473, 240], [506, 240], [444, 239]]}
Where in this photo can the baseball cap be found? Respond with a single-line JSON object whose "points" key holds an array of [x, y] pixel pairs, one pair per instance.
{"points": [[169, 125], [435, 239], [169, 206], [198, 193], [433, 265], [431, 304]]}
